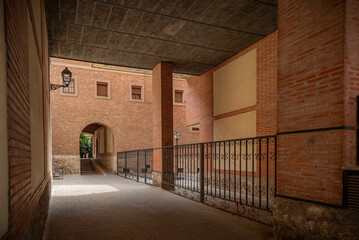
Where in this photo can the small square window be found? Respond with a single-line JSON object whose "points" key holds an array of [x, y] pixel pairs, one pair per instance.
{"points": [[102, 89], [136, 92], [179, 96], [70, 89]]}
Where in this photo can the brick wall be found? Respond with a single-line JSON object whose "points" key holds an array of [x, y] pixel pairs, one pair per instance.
{"points": [[200, 92], [131, 122], [351, 79], [316, 89], [199, 108], [23, 197]]}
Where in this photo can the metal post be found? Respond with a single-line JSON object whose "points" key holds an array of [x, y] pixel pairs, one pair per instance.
{"points": [[125, 164], [145, 166], [357, 130], [118, 155], [202, 174], [176, 168], [137, 166]]}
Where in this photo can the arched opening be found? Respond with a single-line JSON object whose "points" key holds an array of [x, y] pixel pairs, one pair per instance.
{"points": [[96, 148]]}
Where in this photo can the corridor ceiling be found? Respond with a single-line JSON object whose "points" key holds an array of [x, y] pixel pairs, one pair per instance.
{"points": [[195, 35]]}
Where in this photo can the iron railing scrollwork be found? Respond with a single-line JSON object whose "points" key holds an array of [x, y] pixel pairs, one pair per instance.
{"points": [[235, 174]]}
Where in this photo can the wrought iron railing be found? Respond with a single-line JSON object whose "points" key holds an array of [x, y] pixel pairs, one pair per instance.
{"points": [[236, 175], [136, 165]]}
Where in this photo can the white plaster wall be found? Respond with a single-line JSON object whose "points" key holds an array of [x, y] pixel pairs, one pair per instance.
{"points": [[4, 167]]}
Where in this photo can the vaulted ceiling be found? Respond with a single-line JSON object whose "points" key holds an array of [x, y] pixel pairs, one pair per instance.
{"points": [[195, 35]]}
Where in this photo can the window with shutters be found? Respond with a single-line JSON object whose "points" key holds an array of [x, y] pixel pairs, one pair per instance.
{"points": [[136, 92], [71, 89], [179, 96], [102, 89]]}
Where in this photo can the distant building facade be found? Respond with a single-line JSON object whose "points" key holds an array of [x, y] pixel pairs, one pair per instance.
{"points": [[115, 105]]}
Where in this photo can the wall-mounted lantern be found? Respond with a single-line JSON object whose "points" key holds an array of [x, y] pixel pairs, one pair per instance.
{"points": [[177, 136], [66, 79]]}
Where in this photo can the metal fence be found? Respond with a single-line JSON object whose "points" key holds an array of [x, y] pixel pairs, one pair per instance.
{"points": [[235, 175], [136, 165]]}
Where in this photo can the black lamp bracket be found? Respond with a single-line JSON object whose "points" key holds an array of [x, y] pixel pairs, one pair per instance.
{"points": [[55, 86]]}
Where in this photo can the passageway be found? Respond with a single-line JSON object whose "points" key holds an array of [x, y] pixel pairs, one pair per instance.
{"points": [[110, 207]]}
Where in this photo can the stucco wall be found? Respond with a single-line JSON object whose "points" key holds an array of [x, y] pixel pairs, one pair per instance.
{"points": [[109, 140], [36, 114], [107, 154], [4, 166], [235, 84], [237, 126], [234, 88]]}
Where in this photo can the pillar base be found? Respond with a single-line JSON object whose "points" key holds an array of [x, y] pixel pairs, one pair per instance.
{"points": [[165, 181], [157, 179], [295, 219]]}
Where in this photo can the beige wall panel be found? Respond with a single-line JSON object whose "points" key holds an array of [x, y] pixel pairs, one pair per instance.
{"points": [[109, 140], [45, 55], [235, 84], [236, 127], [36, 8], [36, 113], [4, 167], [102, 140]]}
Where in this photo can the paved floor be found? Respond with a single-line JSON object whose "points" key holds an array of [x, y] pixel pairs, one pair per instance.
{"points": [[110, 207]]}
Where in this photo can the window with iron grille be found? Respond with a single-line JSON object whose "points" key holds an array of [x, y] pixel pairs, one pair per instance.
{"points": [[136, 92], [102, 89], [179, 96], [351, 189], [70, 89]]}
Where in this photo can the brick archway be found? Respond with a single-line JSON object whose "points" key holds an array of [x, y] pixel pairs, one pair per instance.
{"points": [[82, 125], [103, 143]]}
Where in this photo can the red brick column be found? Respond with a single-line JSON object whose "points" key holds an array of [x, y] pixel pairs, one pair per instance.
{"points": [[162, 115], [317, 87]]}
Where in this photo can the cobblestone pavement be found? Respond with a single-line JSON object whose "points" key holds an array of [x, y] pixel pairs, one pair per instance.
{"points": [[110, 207]]}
